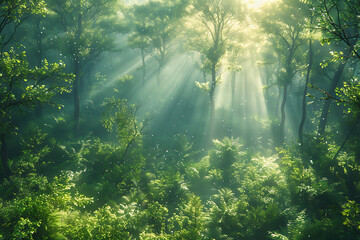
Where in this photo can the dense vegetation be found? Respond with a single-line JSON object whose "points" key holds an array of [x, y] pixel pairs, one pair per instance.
{"points": [[179, 119]]}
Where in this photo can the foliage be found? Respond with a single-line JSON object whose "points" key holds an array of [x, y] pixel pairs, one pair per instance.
{"points": [[351, 211], [349, 95], [15, 12], [189, 223], [22, 87], [339, 22], [40, 214], [109, 175], [120, 117], [284, 30], [167, 188], [124, 179], [227, 152], [156, 25], [319, 188], [84, 23]]}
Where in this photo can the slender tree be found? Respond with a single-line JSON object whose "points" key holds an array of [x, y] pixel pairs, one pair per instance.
{"points": [[339, 21], [20, 86], [307, 80], [139, 36], [13, 14], [213, 24], [87, 27], [156, 25], [23, 88], [285, 32]]}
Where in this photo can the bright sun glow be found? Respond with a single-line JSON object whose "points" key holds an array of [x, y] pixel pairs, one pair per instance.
{"points": [[258, 3]]}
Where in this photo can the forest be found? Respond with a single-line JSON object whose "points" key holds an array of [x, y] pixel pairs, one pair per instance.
{"points": [[180, 119]]}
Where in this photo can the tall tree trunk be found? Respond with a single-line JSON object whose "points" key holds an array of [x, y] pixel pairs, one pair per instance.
{"points": [[212, 94], [76, 83], [327, 103], [283, 114], [232, 107], [303, 118], [76, 97], [39, 46], [204, 76], [4, 158], [39, 40], [158, 77], [233, 85], [143, 65], [278, 101]]}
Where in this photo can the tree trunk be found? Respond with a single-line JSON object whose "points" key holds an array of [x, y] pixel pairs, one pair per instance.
{"points": [[212, 94], [283, 115], [278, 101], [331, 91], [76, 97], [143, 65], [232, 107], [159, 74], [303, 118], [76, 85], [4, 158], [233, 85], [204, 76], [39, 45]]}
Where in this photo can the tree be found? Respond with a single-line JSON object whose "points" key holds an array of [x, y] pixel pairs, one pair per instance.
{"points": [[285, 34], [331, 90], [138, 38], [13, 14], [339, 21], [120, 117], [156, 25], [22, 88], [214, 22], [308, 74], [87, 26]]}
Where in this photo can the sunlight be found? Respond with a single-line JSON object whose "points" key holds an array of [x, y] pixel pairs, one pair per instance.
{"points": [[258, 3], [247, 109]]}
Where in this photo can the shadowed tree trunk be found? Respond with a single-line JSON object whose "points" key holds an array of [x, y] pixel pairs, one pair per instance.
{"points": [[40, 52], [39, 42], [4, 158], [282, 110], [76, 83], [303, 118], [290, 73], [76, 97], [278, 101], [212, 94], [327, 103]]}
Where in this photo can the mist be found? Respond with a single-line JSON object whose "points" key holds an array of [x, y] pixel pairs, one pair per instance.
{"points": [[170, 119]]}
